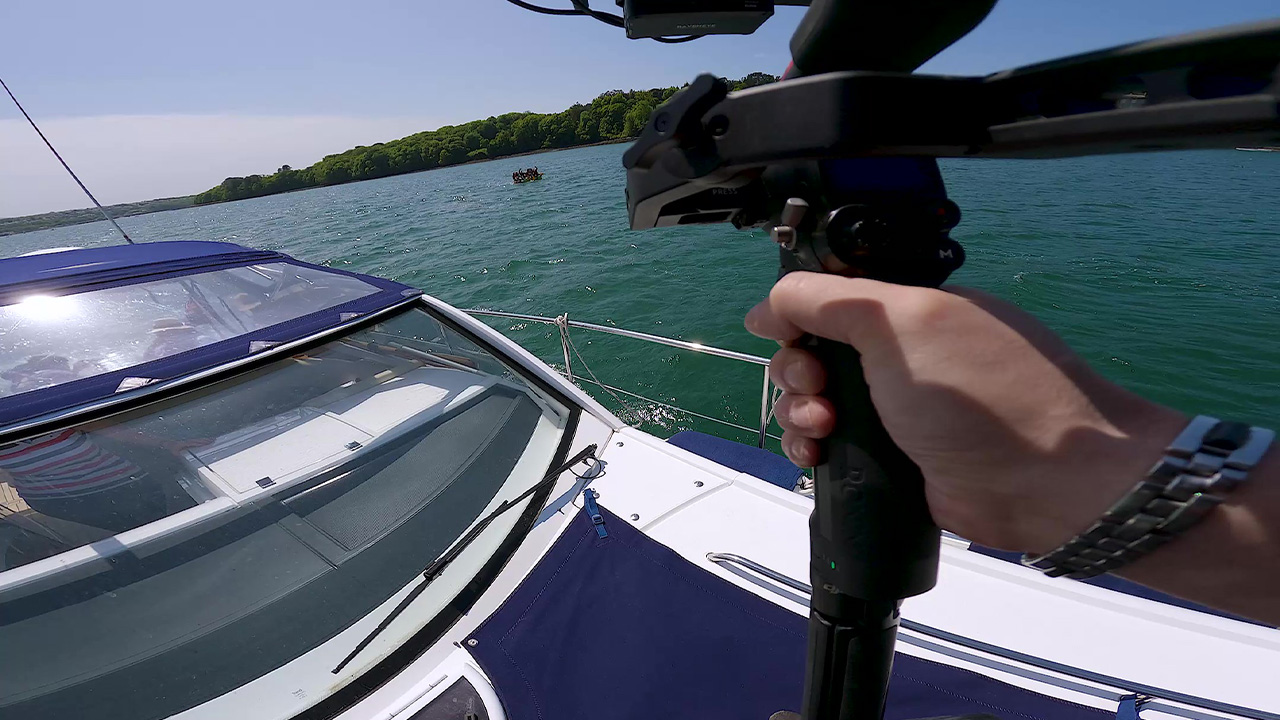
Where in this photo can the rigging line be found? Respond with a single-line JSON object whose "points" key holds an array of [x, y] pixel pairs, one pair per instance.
{"points": [[53, 150], [639, 417], [773, 402], [678, 409], [545, 10]]}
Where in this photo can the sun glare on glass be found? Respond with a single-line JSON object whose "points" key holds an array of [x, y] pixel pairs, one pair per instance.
{"points": [[46, 308]]}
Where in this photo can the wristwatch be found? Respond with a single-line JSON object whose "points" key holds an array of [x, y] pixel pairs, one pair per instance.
{"points": [[1207, 460]]}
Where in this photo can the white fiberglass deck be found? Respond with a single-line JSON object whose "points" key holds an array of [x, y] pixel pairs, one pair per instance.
{"points": [[696, 508]]}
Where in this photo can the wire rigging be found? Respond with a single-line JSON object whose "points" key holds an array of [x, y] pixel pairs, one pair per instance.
{"points": [[544, 10], [636, 413], [53, 150]]}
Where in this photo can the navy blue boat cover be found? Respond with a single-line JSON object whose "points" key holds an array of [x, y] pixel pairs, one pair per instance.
{"points": [[620, 627], [50, 272], [75, 271]]}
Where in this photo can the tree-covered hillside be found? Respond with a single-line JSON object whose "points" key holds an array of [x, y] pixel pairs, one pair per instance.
{"points": [[614, 115]]}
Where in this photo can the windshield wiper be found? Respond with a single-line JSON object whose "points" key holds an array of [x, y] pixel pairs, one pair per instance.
{"points": [[438, 566]]}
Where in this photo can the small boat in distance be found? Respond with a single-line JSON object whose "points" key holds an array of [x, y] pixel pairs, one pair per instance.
{"points": [[1259, 149], [526, 175]]}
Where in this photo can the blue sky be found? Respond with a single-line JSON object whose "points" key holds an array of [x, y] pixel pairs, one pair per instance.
{"points": [[151, 98]]}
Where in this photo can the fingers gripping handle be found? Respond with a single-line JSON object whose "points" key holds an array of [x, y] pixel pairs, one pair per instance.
{"points": [[872, 536]]}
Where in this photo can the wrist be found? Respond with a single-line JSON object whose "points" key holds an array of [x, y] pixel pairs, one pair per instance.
{"points": [[1098, 466], [1234, 550]]}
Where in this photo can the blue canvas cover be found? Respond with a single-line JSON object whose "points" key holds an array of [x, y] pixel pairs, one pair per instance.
{"points": [[621, 627], [79, 273], [56, 271]]}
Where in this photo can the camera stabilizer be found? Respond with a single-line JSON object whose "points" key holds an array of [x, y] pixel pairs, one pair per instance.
{"points": [[838, 163]]}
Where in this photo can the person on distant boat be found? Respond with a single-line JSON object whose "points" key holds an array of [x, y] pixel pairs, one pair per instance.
{"points": [[1022, 446], [516, 176]]}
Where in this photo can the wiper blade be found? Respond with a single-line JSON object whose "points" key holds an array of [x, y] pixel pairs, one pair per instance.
{"points": [[438, 566]]}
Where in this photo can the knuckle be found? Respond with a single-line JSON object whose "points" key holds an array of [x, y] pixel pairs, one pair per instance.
{"points": [[776, 374], [783, 407], [786, 411], [792, 284], [928, 308]]}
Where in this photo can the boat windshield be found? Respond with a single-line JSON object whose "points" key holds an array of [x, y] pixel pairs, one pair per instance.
{"points": [[218, 553], [49, 340]]}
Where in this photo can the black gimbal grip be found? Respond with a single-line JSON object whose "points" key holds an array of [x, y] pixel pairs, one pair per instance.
{"points": [[872, 536], [872, 543]]}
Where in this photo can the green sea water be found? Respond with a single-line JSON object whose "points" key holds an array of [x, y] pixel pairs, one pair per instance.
{"points": [[1162, 270]]}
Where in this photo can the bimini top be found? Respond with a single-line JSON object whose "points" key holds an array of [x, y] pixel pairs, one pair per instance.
{"points": [[78, 326]]}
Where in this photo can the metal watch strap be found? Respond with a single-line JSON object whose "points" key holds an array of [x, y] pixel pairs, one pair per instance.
{"points": [[1206, 460]]}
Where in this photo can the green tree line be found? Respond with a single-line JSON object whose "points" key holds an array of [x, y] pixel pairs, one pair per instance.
{"points": [[614, 115]]}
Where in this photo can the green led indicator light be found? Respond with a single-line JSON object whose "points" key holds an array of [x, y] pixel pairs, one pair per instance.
{"points": [[833, 566]]}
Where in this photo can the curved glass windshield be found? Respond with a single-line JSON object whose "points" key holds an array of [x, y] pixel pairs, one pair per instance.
{"points": [[221, 551], [48, 340]]}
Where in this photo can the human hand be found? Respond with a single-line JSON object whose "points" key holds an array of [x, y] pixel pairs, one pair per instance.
{"points": [[1020, 443]]}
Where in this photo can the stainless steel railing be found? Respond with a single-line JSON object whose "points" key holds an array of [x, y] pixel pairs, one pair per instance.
{"points": [[564, 324], [720, 558]]}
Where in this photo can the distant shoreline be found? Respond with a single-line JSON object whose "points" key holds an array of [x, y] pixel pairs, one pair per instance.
{"points": [[539, 151], [614, 116], [82, 216]]}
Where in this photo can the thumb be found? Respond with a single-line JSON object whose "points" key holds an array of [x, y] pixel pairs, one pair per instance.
{"points": [[854, 311]]}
